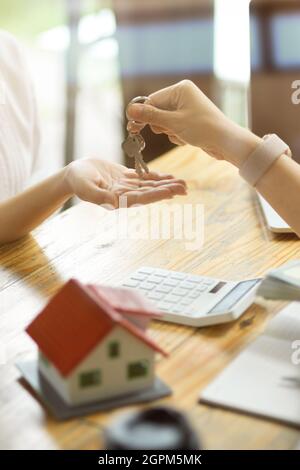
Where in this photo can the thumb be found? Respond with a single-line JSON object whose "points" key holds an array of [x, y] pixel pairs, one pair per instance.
{"points": [[147, 114]]}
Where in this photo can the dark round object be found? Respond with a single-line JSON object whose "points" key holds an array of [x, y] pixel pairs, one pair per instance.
{"points": [[160, 428]]}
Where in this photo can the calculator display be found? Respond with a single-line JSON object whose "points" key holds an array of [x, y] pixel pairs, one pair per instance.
{"points": [[226, 304], [217, 287]]}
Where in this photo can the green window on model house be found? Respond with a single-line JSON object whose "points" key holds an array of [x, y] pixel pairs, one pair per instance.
{"points": [[137, 369], [90, 378], [114, 349]]}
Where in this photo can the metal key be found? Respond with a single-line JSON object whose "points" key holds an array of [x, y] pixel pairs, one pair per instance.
{"points": [[133, 147], [135, 144]]}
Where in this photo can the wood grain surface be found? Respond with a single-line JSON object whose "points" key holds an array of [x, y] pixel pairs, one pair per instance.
{"points": [[83, 242]]}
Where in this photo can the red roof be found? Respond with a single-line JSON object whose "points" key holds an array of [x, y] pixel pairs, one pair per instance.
{"points": [[123, 301], [77, 318]]}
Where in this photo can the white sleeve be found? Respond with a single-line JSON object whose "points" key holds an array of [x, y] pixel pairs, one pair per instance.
{"points": [[34, 114], [25, 94]]}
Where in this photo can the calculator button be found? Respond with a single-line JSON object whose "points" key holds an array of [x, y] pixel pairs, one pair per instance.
{"points": [[164, 289], [161, 273], [155, 295], [178, 276], [187, 285], [179, 291], [186, 301], [139, 277], [208, 283], [195, 279], [194, 294], [171, 298], [154, 279], [146, 270], [201, 289], [170, 282], [146, 286], [131, 283]]}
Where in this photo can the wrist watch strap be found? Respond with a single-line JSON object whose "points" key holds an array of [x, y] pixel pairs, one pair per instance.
{"points": [[263, 157]]}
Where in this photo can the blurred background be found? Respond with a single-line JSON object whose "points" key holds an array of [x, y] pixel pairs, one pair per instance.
{"points": [[89, 58]]}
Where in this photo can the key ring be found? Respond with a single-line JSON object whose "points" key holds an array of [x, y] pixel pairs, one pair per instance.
{"points": [[136, 100]]}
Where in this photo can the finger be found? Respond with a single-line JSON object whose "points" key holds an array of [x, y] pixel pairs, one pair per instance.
{"points": [[130, 173], [147, 114], [166, 98], [135, 183], [167, 182], [152, 175], [175, 140], [178, 189], [148, 197], [174, 181], [158, 130], [175, 189], [143, 185], [135, 127], [181, 141]]}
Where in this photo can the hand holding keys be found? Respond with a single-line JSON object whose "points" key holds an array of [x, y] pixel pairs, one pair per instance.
{"points": [[135, 144]]}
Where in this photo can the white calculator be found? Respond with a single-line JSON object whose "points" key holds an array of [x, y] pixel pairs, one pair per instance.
{"points": [[193, 300]]}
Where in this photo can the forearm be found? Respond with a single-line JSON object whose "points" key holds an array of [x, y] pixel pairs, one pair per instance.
{"points": [[280, 185], [25, 211], [186, 115]]}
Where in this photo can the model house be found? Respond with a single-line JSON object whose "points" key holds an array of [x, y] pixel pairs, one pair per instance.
{"points": [[93, 343]]}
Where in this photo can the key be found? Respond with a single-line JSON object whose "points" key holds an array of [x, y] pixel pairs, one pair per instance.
{"points": [[135, 144], [140, 164], [133, 147]]}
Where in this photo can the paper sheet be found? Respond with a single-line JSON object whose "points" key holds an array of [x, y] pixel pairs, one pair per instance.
{"points": [[265, 378]]}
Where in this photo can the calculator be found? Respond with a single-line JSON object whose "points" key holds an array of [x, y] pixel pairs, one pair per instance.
{"points": [[191, 299]]}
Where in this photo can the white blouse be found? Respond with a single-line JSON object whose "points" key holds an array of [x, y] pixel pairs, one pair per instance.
{"points": [[19, 134]]}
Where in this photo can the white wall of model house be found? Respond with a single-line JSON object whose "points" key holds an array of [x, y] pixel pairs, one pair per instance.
{"points": [[113, 372]]}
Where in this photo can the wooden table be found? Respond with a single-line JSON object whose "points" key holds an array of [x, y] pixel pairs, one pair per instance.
{"points": [[81, 243]]}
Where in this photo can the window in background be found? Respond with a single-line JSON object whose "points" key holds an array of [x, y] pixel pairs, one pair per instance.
{"points": [[285, 38], [43, 28], [232, 40], [256, 41], [161, 43], [275, 66], [231, 57], [168, 47], [121, 49]]}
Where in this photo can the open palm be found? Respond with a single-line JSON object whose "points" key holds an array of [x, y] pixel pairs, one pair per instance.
{"points": [[111, 184]]}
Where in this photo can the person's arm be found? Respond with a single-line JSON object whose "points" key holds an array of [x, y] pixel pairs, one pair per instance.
{"points": [[96, 181], [280, 185], [23, 212], [186, 115]]}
